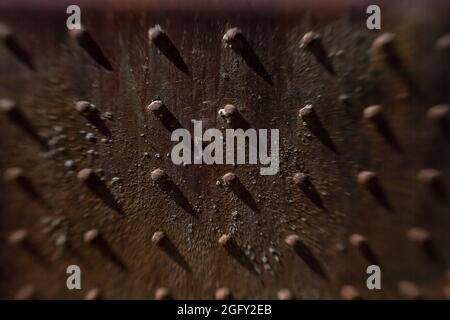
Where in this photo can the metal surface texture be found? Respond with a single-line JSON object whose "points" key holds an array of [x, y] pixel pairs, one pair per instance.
{"points": [[352, 190]]}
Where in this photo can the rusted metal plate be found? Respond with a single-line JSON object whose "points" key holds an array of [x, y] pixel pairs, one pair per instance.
{"points": [[294, 230]]}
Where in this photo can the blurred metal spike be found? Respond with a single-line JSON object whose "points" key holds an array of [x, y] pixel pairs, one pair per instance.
{"points": [[27, 292], [88, 44], [348, 292], [371, 182], [375, 115], [93, 294], [15, 115], [285, 294], [163, 293], [10, 41], [440, 116], [360, 242], [223, 294], [312, 42], [409, 290], [158, 37]]}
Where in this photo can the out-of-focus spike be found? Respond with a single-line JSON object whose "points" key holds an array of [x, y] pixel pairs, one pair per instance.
{"points": [[88, 44], [10, 41]]}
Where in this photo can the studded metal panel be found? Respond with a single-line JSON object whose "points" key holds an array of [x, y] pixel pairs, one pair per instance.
{"points": [[364, 151]]}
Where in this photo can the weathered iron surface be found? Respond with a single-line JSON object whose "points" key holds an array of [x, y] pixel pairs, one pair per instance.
{"points": [[351, 184]]}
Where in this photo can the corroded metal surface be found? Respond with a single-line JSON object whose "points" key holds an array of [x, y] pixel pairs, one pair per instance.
{"points": [[351, 183]]}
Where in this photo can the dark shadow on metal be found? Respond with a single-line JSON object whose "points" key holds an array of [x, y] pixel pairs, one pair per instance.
{"points": [[236, 252], [322, 58], [37, 255], [244, 195], [240, 46], [439, 190], [386, 131], [316, 127], [19, 52], [99, 188], [86, 42], [239, 122], [171, 250], [166, 46], [308, 257], [20, 120], [167, 118], [379, 194], [172, 190], [368, 253], [311, 192], [30, 189], [93, 116], [432, 253], [109, 253]]}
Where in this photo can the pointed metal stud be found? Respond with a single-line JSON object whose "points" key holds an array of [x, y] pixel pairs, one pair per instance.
{"points": [[10, 41], [91, 47]]}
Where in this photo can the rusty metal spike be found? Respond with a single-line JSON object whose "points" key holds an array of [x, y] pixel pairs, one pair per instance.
{"points": [[158, 175], [93, 294], [384, 50], [94, 238], [233, 249], [231, 181], [229, 111], [226, 241], [233, 117], [158, 238], [418, 235], [433, 180], [15, 115], [161, 240], [312, 42], [87, 175], [440, 116], [349, 292], [163, 293], [313, 123], [88, 44], [162, 180], [375, 114], [157, 108], [90, 112], [223, 294], [162, 113], [236, 41], [99, 188], [370, 181], [360, 242], [161, 40], [17, 175], [27, 292], [409, 290], [443, 43], [304, 183], [19, 237], [285, 294], [423, 238], [9, 40], [306, 255]]}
